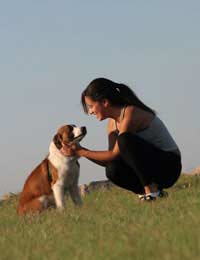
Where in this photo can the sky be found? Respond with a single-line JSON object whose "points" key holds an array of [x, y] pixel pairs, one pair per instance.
{"points": [[51, 50]]}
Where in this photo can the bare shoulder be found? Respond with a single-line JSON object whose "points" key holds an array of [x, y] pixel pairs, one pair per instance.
{"points": [[136, 118], [111, 125], [137, 112], [130, 109]]}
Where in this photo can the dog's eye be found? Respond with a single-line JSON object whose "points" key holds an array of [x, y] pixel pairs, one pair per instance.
{"points": [[71, 127]]}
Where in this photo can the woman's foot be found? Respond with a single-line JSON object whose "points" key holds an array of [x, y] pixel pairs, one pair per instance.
{"points": [[152, 195], [141, 197]]}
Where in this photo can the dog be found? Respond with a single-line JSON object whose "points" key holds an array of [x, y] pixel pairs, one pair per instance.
{"points": [[46, 185]]}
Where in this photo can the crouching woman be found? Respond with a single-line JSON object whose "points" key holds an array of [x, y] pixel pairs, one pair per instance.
{"points": [[142, 156]]}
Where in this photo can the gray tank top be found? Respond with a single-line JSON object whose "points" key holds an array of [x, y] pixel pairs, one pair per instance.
{"points": [[156, 134]]}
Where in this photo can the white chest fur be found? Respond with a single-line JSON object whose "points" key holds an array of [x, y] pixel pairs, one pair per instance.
{"points": [[68, 174], [67, 167]]}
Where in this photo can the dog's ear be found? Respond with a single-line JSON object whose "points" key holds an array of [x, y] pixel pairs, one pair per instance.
{"points": [[57, 141]]}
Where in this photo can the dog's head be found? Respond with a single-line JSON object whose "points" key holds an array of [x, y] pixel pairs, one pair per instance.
{"points": [[68, 134]]}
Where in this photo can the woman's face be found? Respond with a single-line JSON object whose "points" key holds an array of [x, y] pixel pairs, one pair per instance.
{"points": [[97, 108]]}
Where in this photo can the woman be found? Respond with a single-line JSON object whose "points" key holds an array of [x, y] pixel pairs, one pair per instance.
{"points": [[142, 156]]}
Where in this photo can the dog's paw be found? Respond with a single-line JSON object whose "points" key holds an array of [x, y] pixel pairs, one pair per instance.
{"points": [[61, 208]]}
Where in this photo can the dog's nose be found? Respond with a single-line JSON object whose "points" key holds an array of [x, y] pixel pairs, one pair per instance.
{"points": [[83, 130]]}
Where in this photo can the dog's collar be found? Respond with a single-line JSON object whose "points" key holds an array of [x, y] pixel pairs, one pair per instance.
{"points": [[50, 176]]}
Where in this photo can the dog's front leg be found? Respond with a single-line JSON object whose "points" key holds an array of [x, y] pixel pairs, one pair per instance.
{"points": [[58, 191], [75, 195]]}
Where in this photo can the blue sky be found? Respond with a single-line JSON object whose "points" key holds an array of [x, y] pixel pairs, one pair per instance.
{"points": [[51, 50]]}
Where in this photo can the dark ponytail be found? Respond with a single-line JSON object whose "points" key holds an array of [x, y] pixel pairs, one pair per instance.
{"points": [[118, 94]]}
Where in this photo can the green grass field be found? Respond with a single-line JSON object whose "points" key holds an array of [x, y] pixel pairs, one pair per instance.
{"points": [[112, 224]]}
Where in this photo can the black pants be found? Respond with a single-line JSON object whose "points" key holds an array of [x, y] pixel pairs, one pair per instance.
{"points": [[141, 163]]}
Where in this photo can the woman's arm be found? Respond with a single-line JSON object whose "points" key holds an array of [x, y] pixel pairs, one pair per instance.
{"points": [[129, 123], [101, 158], [104, 157], [103, 164]]}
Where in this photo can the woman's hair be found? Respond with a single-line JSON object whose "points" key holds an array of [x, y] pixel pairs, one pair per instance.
{"points": [[117, 94]]}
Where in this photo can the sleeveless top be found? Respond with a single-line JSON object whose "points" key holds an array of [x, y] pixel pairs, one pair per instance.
{"points": [[156, 133]]}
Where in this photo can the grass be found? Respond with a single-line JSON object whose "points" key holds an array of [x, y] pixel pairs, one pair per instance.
{"points": [[112, 224]]}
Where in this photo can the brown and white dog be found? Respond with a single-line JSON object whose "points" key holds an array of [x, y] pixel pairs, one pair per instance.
{"points": [[46, 184]]}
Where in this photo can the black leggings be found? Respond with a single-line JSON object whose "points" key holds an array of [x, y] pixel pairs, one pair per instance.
{"points": [[141, 163]]}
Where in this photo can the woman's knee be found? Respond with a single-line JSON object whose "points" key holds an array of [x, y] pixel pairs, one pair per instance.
{"points": [[125, 139]]}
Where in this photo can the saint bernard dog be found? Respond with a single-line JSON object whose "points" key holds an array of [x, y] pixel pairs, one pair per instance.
{"points": [[46, 185]]}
